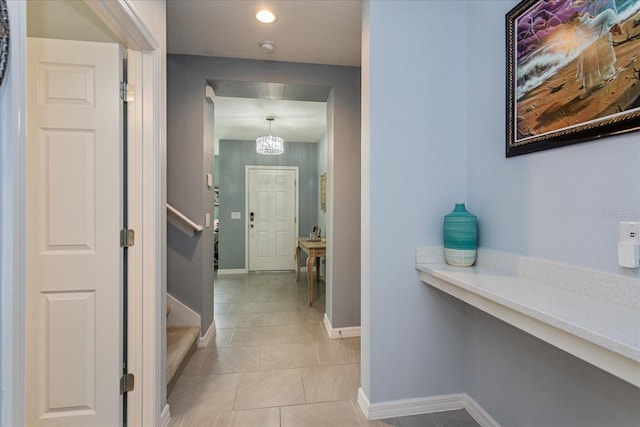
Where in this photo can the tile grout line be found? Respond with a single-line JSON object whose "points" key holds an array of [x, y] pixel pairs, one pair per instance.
{"points": [[261, 357], [235, 396], [304, 390], [315, 352], [361, 418], [233, 333]]}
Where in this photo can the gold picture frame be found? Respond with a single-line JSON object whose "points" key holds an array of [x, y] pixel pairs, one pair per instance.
{"points": [[323, 192], [572, 72], [4, 39]]}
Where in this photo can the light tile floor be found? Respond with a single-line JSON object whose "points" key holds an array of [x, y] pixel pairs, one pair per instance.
{"points": [[272, 364]]}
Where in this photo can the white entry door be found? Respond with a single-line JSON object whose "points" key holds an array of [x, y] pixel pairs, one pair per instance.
{"points": [[272, 219], [74, 216]]}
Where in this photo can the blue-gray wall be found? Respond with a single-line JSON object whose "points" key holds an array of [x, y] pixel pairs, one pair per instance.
{"points": [[417, 161], [554, 205], [190, 154], [523, 381], [234, 156]]}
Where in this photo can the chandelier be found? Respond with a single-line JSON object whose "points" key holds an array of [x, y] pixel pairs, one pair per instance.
{"points": [[269, 144]]}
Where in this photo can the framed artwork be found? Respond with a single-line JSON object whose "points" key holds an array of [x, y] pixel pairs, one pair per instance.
{"points": [[323, 192], [4, 39], [573, 72]]}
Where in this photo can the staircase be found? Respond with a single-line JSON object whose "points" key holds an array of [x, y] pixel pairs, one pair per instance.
{"points": [[181, 343]]}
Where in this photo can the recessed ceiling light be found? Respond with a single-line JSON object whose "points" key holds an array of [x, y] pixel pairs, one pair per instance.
{"points": [[265, 16]]}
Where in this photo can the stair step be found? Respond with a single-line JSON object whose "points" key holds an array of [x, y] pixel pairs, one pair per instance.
{"points": [[181, 343]]}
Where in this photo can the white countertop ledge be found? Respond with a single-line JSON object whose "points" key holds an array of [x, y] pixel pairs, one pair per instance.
{"points": [[592, 315]]}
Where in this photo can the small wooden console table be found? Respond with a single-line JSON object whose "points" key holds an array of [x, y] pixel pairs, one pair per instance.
{"points": [[314, 251]]}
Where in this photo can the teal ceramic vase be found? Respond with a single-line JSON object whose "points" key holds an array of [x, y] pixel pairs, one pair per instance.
{"points": [[460, 237]]}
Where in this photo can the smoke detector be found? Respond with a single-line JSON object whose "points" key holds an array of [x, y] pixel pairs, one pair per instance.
{"points": [[267, 46]]}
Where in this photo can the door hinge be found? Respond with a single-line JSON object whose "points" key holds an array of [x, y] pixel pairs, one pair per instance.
{"points": [[127, 92], [127, 238], [126, 383]]}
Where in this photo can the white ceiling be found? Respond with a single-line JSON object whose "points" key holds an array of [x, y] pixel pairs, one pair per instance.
{"points": [[246, 119], [310, 31], [307, 31]]}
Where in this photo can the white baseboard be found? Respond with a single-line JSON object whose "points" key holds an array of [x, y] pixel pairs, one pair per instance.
{"points": [[228, 271], [406, 407], [363, 403], [478, 413], [165, 416], [180, 314], [204, 341], [351, 331], [424, 405]]}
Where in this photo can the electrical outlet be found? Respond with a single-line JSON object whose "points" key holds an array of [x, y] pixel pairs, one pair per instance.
{"points": [[630, 232]]}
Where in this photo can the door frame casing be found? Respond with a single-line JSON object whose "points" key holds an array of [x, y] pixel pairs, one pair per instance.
{"points": [[147, 212], [13, 223], [147, 404], [296, 227]]}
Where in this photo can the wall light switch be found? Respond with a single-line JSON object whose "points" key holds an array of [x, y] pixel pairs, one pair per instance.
{"points": [[209, 180], [236, 215], [207, 220]]}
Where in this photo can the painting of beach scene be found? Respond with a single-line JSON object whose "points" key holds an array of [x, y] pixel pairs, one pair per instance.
{"points": [[573, 72]]}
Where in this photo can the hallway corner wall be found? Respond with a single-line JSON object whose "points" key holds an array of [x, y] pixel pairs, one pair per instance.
{"points": [[190, 268], [414, 344]]}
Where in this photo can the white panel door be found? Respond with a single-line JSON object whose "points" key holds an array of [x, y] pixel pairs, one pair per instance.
{"points": [[74, 215], [272, 216]]}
